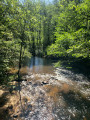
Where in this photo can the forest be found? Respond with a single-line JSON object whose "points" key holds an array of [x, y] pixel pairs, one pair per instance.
{"points": [[57, 29], [53, 36]]}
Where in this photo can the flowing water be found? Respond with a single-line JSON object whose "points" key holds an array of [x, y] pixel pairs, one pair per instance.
{"points": [[55, 94]]}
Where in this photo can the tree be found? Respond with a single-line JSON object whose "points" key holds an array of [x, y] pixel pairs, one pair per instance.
{"points": [[72, 30]]}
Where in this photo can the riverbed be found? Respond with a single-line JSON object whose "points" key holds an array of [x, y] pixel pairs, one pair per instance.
{"points": [[53, 93]]}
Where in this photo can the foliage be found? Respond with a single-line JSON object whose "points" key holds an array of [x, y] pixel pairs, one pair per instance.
{"points": [[72, 30], [12, 34], [59, 29]]}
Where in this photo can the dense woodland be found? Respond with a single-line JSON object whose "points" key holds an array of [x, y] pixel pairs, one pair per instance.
{"points": [[60, 28]]}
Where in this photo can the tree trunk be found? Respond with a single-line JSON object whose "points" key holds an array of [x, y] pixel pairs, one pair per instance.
{"points": [[20, 62]]}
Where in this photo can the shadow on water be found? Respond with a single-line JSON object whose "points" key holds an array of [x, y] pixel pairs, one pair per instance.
{"points": [[78, 105], [77, 66], [20, 98]]}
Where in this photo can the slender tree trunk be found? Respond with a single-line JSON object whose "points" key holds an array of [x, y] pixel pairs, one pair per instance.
{"points": [[20, 62], [33, 44]]}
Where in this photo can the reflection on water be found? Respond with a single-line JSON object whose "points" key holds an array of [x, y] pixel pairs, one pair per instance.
{"points": [[35, 61], [41, 65]]}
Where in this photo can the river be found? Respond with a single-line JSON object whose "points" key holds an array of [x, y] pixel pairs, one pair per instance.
{"points": [[54, 93]]}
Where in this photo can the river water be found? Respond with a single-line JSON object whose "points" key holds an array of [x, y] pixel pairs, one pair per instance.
{"points": [[54, 94]]}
